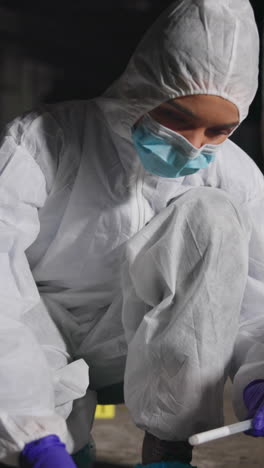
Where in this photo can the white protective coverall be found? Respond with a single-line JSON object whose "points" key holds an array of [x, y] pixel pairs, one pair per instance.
{"points": [[101, 260]]}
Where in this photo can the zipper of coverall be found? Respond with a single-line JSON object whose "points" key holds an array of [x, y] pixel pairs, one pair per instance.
{"points": [[140, 198]]}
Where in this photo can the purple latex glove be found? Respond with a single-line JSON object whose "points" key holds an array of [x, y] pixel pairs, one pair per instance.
{"points": [[254, 400], [48, 452]]}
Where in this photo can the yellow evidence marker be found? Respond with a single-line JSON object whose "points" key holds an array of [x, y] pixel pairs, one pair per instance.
{"points": [[105, 412]]}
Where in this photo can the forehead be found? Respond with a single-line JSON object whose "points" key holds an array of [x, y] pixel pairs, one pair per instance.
{"points": [[213, 110], [205, 102]]}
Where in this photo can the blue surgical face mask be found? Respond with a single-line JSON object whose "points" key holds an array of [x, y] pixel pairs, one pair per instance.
{"points": [[166, 153]]}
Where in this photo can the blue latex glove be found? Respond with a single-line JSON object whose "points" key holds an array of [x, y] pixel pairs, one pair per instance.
{"points": [[48, 452], [254, 400], [166, 464]]}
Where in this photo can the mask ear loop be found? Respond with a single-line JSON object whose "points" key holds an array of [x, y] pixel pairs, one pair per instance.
{"points": [[234, 129]]}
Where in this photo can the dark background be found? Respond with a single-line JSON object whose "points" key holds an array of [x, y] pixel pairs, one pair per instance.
{"points": [[52, 51]]}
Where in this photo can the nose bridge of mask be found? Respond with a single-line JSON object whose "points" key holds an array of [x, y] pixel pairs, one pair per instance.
{"points": [[175, 139]]}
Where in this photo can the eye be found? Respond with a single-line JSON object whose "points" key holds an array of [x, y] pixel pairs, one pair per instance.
{"points": [[218, 131]]}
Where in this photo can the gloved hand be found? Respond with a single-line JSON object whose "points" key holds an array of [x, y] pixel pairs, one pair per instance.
{"points": [[48, 452], [254, 400]]}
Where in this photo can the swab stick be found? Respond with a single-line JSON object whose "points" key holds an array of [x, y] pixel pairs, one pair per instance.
{"points": [[224, 431]]}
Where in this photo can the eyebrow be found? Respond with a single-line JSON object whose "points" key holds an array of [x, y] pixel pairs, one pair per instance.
{"points": [[181, 108], [223, 126], [191, 114]]}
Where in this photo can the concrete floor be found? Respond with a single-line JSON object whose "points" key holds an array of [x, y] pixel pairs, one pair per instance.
{"points": [[119, 442]]}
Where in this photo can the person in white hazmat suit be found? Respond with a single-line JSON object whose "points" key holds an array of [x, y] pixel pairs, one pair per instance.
{"points": [[132, 248]]}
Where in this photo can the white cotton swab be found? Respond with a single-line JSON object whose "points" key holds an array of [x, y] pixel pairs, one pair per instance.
{"points": [[224, 431]]}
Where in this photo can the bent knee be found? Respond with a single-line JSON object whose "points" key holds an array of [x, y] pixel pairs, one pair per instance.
{"points": [[210, 206], [211, 196]]}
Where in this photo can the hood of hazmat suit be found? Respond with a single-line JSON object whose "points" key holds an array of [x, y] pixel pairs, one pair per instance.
{"points": [[195, 47], [73, 194]]}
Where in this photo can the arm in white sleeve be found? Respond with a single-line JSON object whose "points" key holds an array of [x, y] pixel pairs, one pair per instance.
{"points": [[248, 357], [27, 402]]}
